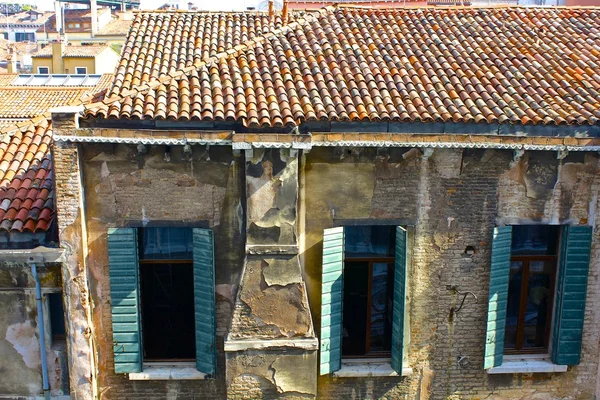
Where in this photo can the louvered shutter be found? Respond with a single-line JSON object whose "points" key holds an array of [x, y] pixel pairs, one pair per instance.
{"points": [[498, 296], [571, 293], [204, 301], [399, 300], [125, 302], [331, 300]]}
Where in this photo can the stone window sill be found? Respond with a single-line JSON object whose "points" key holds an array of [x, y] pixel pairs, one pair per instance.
{"points": [[527, 364], [167, 372], [369, 368]]}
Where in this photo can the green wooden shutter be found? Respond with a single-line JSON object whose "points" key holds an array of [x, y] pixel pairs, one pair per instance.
{"points": [[124, 294], [331, 300], [571, 291], [399, 300], [204, 299], [498, 296]]}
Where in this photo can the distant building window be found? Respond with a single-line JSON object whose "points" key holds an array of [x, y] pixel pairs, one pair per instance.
{"points": [[24, 37], [43, 70], [74, 25], [81, 70]]}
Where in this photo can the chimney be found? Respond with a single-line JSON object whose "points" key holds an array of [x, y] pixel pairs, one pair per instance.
{"points": [[12, 61], [190, 6], [284, 12], [271, 11], [58, 16], [58, 48], [94, 14]]}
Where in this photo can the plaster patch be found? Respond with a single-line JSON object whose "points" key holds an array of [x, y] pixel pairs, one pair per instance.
{"points": [[293, 374], [23, 338], [281, 272], [104, 172]]}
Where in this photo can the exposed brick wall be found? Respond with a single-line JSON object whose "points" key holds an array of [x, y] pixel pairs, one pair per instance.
{"points": [[453, 199], [72, 237]]}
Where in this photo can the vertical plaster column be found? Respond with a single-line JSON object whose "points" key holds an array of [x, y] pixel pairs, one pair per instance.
{"points": [[72, 237], [271, 347]]}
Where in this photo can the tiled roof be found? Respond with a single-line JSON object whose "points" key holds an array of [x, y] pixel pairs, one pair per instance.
{"points": [[88, 50], [26, 178], [26, 175], [497, 65], [163, 42], [31, 101], [118, 26], [23, 19]]}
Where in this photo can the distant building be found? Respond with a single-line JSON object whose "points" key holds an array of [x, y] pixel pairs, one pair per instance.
{"points": [[59, 58], [77, 24], [23, 27]]}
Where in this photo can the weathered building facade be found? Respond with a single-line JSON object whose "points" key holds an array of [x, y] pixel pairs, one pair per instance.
{"points": [[344, 204]]}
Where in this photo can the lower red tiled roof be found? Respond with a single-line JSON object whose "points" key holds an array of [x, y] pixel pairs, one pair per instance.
{"points": [[26, 178], [512, 65]]}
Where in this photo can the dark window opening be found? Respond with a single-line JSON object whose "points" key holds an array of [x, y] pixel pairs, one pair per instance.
{"points": [[531, 288], [368, 291], [167, 294], [57, 317]]}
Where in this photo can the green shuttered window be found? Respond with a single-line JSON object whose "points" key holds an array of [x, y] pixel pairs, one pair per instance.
{"points": [[497, 298], [124, 270], [332, 297], [204, 299], [125, 301], [571, 292], [569, 295]]}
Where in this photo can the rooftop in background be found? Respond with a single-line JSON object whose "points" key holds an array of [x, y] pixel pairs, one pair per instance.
{"points": [[72, 16], [30, 18], [27, 96], [56, 80], [119, 26], [501, 65], [71, 50], [111, 3]]}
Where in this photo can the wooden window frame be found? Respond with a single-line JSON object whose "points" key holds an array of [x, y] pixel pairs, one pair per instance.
{"points": [[371, 261], [526, 260]]}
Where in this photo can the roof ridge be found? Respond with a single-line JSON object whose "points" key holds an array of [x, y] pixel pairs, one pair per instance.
{"points": [[250, 43]]}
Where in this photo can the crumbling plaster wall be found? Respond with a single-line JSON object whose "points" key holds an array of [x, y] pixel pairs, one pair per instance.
{"points": [[124, 187], [272, 305], [20, 364], [453, 198]]}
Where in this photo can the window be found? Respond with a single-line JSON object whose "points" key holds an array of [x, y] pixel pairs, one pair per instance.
{"points": [[43, 70], [368, 291], [167, 293], [162, 296], [537, 291], [24, 37], [530, 288], [363, 295], [80, 70], [57, 317]]}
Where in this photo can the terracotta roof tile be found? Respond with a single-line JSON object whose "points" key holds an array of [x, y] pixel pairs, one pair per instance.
{"points": [[495, 65], [23, 102], [26, 192]]}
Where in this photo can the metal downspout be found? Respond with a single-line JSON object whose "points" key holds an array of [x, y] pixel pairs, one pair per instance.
{"points": [[42, 333]]}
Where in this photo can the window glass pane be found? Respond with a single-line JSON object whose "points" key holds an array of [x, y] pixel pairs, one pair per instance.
{"points": [[538, 303], [168, 311], [356, 290], [382, 292], [514, 302], [166, 244], [535, 239], [363, 241]]}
